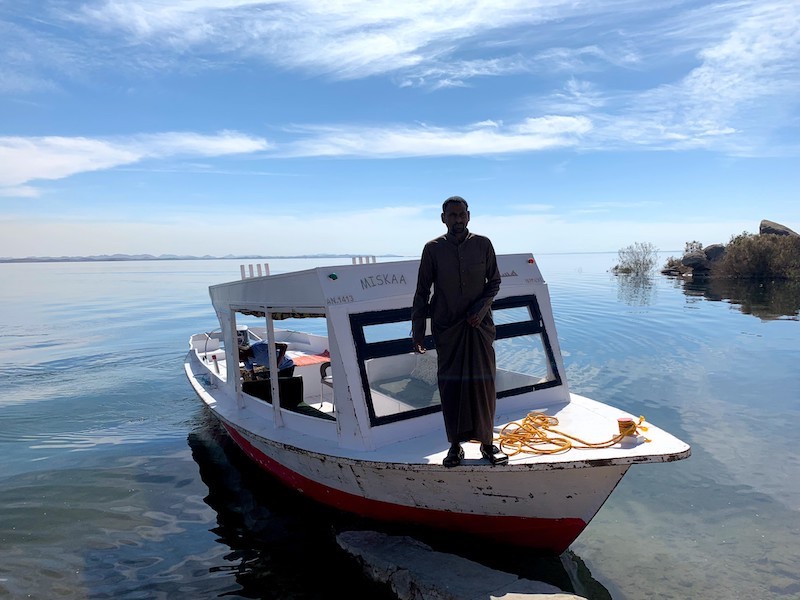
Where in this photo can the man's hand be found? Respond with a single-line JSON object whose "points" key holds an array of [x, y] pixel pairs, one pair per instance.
{"points": [[419, 348]]}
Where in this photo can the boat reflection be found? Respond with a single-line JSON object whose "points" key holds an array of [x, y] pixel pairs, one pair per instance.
{"points": [[283, 545], [767, 300]]}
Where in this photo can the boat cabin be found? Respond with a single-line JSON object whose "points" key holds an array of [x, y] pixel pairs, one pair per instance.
{"points": [[356, 380]]}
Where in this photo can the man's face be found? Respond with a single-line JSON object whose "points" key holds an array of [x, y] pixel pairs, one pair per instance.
{"points": [[455, 217]]}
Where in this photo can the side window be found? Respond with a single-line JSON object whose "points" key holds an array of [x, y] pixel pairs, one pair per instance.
{"points": [[524, 356], [399, 384], [402, 384]]}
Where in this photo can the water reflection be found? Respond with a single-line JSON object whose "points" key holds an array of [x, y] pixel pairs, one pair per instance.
{"points": [[283, 545], [635, 289], [767, 300]]}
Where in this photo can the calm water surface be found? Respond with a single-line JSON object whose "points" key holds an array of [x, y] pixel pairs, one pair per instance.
{"points": [[115, 482]]}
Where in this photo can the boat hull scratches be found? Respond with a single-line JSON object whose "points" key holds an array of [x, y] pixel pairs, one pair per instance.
{"points": [[552, 533]]}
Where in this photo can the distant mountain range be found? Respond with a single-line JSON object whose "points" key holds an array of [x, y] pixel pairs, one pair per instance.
{"points": [[121, 257]]}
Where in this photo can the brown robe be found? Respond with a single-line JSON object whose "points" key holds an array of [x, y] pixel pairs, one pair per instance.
{"points": [[465, 280]]}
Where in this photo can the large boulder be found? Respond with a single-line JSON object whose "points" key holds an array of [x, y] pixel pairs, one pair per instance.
{"points": [[773, 228], [696, 261], [714, 251]]}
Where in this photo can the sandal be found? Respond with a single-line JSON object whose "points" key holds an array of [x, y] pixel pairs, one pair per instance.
{"points": [[454, 456], [492, 453]]}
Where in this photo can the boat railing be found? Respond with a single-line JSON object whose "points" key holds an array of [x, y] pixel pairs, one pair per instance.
{"points": [[203, 343], [254, 272]]}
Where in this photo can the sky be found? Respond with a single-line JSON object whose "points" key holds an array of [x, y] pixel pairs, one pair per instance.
{"points": [[276, 128]]}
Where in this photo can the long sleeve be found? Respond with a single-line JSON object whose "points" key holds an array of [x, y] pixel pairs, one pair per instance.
{"points": [[420, 310], [491, 285]]}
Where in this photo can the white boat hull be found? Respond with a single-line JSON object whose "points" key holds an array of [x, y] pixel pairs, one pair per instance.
{"points": [[539, 509]]}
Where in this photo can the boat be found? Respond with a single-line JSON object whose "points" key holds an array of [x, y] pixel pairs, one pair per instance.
{"points": [[358, 425]]}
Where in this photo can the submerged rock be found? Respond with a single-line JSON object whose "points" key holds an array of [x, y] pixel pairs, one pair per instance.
{"points": [[415, 571]]}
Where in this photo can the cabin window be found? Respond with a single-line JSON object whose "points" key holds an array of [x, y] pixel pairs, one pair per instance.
{"points": [[524, 356], [383, 332], [399, 384], [302, 386]]}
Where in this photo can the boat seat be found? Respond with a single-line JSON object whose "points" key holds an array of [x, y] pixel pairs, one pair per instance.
{"points": [[326, 377], [326, 380], [290, 389]]}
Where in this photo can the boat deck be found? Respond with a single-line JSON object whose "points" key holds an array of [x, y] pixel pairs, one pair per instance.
{"points": [[578, 418]]}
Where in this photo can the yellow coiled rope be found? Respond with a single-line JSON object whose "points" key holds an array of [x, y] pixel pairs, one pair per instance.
{"points": [[536, 434]]}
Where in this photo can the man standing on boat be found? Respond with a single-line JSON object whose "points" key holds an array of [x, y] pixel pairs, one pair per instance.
{"points": [[462, 268]]}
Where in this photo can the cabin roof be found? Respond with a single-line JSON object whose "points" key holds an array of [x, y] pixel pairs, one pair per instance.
{"points": [[321, 287]]}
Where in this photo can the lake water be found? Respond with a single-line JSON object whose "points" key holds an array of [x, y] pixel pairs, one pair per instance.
{"points": [[116, 483]]}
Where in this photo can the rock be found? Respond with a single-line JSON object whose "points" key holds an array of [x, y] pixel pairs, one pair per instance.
{"points": [[773, 228], [714, 252], [415, 571], [696, 261]]}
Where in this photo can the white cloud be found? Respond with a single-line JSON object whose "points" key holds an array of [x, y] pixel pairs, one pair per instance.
{"points": [[195, 144], [747, 82], [350, 39], [554, 125], [587, 58], [26, 159], [485, 138], [455, 73], [36, 158]]}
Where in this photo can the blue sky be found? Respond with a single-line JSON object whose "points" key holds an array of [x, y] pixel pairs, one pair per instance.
{"points": [[279, 128]]}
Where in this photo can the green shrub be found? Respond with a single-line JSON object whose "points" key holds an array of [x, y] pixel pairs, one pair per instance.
{"points": [[693, 246], [675, 266], [760, 257], [638, 258]]}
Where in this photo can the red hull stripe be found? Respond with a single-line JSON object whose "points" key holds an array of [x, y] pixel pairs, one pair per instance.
{"points": [[552, 535]]}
